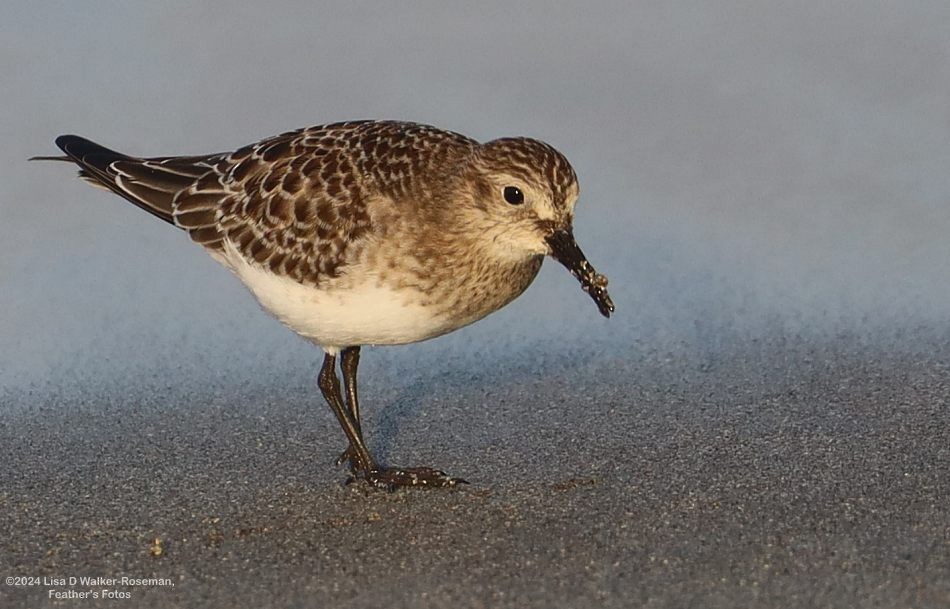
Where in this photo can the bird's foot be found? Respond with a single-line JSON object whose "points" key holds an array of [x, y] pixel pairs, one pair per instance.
{"points": [[391, 478], [348, 456]]}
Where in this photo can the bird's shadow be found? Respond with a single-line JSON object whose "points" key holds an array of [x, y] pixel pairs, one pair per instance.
{"points": [[406, 405], [442, 388]]}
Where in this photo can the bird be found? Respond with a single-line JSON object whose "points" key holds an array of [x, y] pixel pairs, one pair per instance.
{"points": [[364, 233]]}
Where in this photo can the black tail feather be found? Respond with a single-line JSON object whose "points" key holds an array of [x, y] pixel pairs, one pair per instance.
{"points": [[96, 166], [50, 158]]}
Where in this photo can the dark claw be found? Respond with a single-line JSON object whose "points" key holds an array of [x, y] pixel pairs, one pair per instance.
{"points": [[347, 456], [391, 478]]}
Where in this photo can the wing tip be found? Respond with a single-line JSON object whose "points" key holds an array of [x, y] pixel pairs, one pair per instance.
{"points": [[49, 158], [63, 142], [77, 146]]}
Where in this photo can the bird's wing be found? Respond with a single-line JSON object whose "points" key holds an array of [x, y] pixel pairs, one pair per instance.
{"points": [[295, 203], [292, 203], [151, 184]]}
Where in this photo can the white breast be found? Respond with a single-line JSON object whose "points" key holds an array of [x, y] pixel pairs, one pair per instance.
{"points": [[364, 314]]}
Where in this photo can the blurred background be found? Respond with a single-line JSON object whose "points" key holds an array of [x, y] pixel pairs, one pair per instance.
{"points": [[747, 170]]}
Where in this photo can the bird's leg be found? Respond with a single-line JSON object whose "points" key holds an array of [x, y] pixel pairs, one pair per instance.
{"points": [[361, 462], [330, 386], [349, 362]]}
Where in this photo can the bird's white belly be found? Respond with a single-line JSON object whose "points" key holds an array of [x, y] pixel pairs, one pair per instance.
{"points": [[364, 314]]}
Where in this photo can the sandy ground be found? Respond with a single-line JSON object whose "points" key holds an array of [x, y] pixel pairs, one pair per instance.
{"points": [[786, 473]]}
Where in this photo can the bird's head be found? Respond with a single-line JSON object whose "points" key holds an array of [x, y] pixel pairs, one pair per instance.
{"points": [[524, 192]]}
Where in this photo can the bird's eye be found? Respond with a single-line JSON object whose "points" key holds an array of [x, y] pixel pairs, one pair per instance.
{"points": [[514, 195]]}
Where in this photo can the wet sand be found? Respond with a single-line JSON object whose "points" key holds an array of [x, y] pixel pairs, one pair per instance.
{"points": [[780, 473]]}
